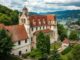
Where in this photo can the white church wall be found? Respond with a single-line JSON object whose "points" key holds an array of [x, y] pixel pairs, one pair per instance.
{"points": [[22, 43], [23, 50], [24, 47]]}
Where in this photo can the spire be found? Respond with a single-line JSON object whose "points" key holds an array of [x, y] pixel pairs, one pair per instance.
{"points": [[25, 11]]}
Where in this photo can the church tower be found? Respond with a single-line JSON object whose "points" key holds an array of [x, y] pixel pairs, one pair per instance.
{"points": [[24, 20], [23, 17]]}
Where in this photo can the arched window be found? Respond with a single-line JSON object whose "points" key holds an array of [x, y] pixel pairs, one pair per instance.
{"points": [[25, 40], [23, 20], [20, 52]]}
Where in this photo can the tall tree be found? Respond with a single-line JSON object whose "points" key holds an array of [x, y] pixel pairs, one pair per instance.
{"points": [[43, 43], [6, 44], [62, 32], [55, 55], [48, 43], [73, 35], [14, 16]]}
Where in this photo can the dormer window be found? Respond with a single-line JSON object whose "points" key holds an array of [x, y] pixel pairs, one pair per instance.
{"points": [[44, 21], [39, 22], [34, 23]]}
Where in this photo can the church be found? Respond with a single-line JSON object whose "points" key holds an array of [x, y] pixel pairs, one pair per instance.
{"points": [[24, 34]]}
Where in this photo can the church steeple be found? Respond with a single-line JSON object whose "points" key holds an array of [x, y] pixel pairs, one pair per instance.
{"points": [[25, 11], [23, 17]]}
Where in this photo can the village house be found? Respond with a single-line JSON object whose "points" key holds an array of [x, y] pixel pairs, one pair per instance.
{"points": [[64, 45], [24, 34]]}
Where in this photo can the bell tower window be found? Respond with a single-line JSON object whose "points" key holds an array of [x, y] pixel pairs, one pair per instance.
{"points": [[23, 20]]}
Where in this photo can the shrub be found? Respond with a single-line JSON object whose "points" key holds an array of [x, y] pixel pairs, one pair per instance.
{"points": [[11, 57], [68, 49], [35, 54], [25, 55]]}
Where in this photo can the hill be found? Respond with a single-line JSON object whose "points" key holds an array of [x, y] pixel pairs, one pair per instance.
{"points": [[8, 16], [66, 14]]}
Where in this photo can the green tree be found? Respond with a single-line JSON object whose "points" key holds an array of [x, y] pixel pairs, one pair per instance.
{"points": [[55, 55], [6, 44], [44, 57], [9, 16], [5, 19], [76, 53], [73, 35], [48, 43], [14, 17], [43, 43], [78, 22], [62, 32]]}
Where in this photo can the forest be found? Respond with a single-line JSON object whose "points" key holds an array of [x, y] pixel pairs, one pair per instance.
{"points": [[8, 16]]}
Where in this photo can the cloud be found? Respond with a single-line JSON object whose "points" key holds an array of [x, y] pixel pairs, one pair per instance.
{"points": [[43, 5], [62, 1], [52, 5]]}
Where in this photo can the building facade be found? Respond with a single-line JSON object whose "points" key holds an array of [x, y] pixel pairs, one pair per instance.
{"points": [[24, 34]]}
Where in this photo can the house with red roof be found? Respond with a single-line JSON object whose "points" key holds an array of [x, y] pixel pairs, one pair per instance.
{"points": [[24, 34], [64, 45]]}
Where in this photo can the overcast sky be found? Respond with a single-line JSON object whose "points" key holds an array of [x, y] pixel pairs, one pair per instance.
{"points": [[43, 5]]}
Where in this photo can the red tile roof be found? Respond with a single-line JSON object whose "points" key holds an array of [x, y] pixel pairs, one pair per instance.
{"points": [[18, 32], [66, 41], [51, 17], [45, 31], [35, 19]]}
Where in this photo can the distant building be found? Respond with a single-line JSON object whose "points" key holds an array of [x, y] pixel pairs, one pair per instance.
{"points": [[24, 34], [64, 45]]}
